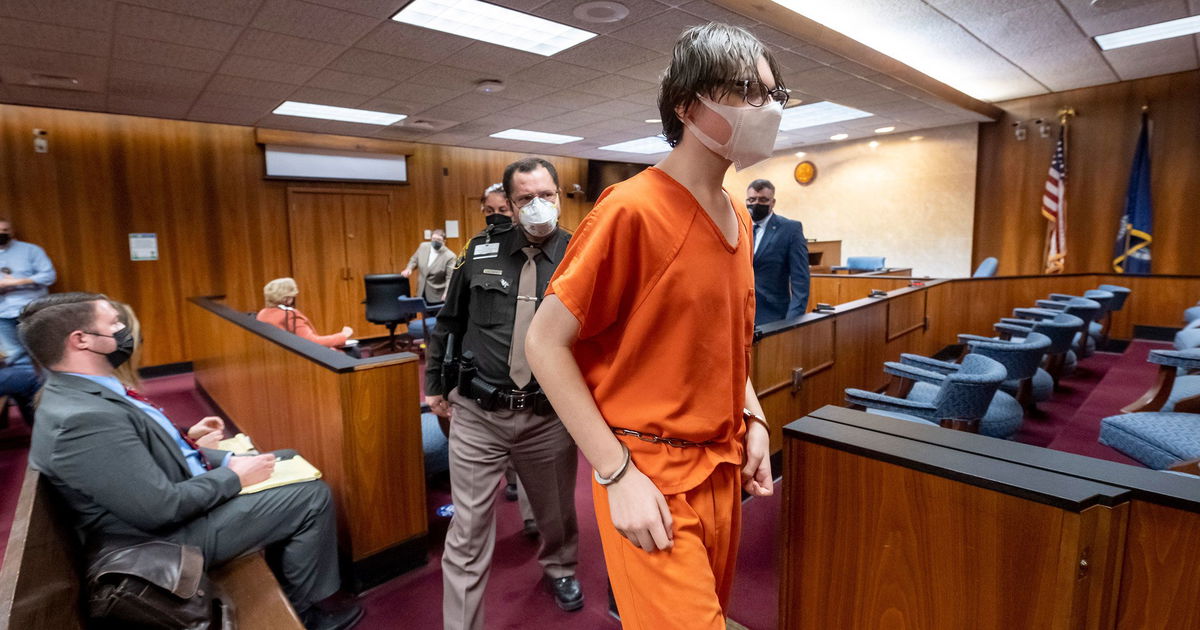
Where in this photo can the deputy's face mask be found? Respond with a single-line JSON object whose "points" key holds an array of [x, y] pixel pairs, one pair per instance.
{"points": [[759, 211], [539, 217], [752, 131], [497, 219]]}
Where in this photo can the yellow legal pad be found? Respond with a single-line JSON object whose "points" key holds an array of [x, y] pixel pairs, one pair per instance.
{"points": [[294, 470], [239, 444]]}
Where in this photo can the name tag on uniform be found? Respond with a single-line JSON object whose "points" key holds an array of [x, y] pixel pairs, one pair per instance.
{"points": [[486, 250], [493, 272]]}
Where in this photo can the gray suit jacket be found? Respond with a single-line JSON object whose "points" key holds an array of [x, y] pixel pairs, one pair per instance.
{"points": [[118, 470], [435, 277]]}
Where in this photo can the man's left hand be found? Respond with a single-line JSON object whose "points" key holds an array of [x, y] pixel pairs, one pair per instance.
{"points": [[206, 426], [756, 474]]}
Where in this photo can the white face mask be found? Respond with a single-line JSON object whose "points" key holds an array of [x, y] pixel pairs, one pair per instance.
{"points": [[539, 217], [752, 135]]}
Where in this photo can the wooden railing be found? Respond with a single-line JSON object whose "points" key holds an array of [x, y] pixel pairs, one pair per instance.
{"points": [[357, 420], [802, 364]]}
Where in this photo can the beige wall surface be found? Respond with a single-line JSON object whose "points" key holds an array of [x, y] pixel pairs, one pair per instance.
{"points": [[912, 201]]}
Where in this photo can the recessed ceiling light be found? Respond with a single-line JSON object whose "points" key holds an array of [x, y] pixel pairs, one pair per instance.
{"points": [[885, 130], [534, 136], [601, 12], [874, 144], [345, 114], [647, 146], [492, 24], [654, 120], [489, 86], [801, 154], [817, 114], [915, 138], [839, 136], [1149, 33]]}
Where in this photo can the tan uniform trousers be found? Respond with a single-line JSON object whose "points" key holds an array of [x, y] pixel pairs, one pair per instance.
{"points": [[481, 445]]}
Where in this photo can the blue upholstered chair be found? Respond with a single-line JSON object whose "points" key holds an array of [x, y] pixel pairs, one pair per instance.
{"points": [[1189, 337], [1085, 309], [863, 263], [1094, 330], [1021, 359], [1120, 294], [962, 396], [921, 383], [1061, 333], [1192, 314], [987, 268], [1159, 439]]}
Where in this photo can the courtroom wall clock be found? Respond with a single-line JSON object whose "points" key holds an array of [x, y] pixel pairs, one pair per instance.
{"points": [[805, 173]]}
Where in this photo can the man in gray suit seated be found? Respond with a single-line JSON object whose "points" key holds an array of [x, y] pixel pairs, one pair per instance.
{"points": [[125, 470]]}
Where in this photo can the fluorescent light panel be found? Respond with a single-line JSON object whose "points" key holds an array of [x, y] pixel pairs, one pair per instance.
{"points": [[1149, 33], [534, 136], [345, 114], [492, 24], [645, 146], [817, 114]]}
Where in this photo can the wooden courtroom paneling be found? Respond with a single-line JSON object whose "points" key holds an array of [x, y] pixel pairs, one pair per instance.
{"points": [[905, 314], [838, 289], [222, 227], [1012, 175], [775, 362], [1160, 577], [361, 428]]}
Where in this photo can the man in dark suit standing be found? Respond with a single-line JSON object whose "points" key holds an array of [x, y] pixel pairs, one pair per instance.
{"points": [[780, 258], [125, 470]]}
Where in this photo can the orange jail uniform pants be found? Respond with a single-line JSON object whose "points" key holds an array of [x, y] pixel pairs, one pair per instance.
{"points": [[688, 585]]}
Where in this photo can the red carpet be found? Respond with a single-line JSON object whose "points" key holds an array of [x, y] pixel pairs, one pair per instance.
{"points": [[1070, 422]]}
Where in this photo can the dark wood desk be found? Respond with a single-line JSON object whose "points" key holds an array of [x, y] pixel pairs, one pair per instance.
{"points": [[357, 420], [887, 523]]}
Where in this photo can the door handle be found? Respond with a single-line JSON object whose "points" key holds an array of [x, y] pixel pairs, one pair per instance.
{"points": [[797, 380]]}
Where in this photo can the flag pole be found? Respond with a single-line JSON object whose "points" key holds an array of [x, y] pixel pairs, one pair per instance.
{"points": [[1064, 118]]}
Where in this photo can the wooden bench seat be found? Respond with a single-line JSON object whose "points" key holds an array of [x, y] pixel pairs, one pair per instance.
{"points": [[40, 580]]}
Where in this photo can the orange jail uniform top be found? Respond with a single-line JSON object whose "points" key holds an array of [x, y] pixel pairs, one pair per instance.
{"points": [[666, 312], [294, 321]]}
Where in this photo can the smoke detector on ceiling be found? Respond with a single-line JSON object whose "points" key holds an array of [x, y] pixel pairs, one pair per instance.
{"points": [[489, 86], [601, 12]]}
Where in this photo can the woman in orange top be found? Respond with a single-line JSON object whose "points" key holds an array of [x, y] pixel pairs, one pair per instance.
{"points": [[281, 312], [643, 341]]}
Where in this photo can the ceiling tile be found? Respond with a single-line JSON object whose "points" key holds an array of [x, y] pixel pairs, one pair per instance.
{"points": [[1118, 16], [570, 99], [450, 110], [492, 60], [791, 62], [557, 74], [175, 28], [249, 87], [134, 70], [659, 33], [313, 21], [562, 11], [817, 54], [648, 98], [217, 100], [52, 37], [577, 118], [315, 125], [450, 137], [50, 62], [223, 115], [455, 79], [163, 53], [374, 8], [614, 86], [487, 103], [714, 13], [651, 71], [322, 96], [267, 70], [624, 108], [377, 64], [606, 54], [90, 14], [231, 11], [1143, 60], [151, 90], [346, 82], [280, 47], [404, 40], [421, 93], [66, 99], [148, 107], [535, 111], [392, 106], [526, 91]]}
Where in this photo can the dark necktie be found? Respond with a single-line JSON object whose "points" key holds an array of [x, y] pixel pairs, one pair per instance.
{"points": [[140, 397], [754, 245]]}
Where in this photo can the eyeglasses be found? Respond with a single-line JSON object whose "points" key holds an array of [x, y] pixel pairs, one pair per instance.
{"points": [[523, 200], [756, 93]]}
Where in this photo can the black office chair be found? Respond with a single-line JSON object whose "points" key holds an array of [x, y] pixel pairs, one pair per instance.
{"points": [[384, 304]]}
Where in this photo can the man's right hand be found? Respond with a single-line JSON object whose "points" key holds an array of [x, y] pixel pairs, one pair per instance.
{"points": [[406, 273], [438, 405], [252, 469], [639, 511]]}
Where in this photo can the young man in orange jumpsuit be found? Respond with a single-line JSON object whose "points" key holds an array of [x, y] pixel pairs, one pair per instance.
{"points": [[643, 341]]}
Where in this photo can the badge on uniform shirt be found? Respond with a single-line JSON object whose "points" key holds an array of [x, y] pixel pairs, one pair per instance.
{"points": [[486, 250]]}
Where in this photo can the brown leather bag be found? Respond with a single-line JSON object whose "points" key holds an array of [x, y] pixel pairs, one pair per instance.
{"points": [[154, 584]]}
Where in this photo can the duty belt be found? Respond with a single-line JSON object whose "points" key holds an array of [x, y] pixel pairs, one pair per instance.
{"points": [[658, 439], [490, 398]]}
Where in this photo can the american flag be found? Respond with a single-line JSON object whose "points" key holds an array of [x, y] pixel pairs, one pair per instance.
{"points": [[1054, 208]]}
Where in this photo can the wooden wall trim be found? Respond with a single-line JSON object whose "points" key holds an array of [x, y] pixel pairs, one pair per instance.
{"points": [[326, 141]]}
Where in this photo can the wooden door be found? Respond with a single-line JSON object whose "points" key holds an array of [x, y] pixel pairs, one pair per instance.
{"points": [[471, 223], [368, 219], [317, 229]]}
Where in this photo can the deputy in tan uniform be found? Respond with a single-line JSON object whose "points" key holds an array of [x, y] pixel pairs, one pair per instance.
{"points": [[500, 412]]}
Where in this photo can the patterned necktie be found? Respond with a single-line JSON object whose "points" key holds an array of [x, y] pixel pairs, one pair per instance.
{"points": [[140, 397], [518, 366]]}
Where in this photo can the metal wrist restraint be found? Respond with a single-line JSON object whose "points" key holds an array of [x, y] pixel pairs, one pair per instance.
{"points": [[608, 481]]}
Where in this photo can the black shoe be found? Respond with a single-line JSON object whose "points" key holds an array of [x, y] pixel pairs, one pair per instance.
{"points": [[340, 619], [568, 593], [510, 492], [530, 530]]}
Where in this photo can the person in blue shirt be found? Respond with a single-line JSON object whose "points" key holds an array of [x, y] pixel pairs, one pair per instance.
{"points": [[26, 274]]}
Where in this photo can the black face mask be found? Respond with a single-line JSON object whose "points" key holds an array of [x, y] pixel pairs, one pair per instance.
{"points": [[759, 211], [437, 245], [124, 350], [4, 239], [497, 219]]}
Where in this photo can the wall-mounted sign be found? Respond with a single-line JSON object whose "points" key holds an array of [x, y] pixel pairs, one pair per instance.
{"points": [[143, 246], [805, 173]]}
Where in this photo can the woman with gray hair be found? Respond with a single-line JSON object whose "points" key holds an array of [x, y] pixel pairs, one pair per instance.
{"points": [[280, 295]]}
